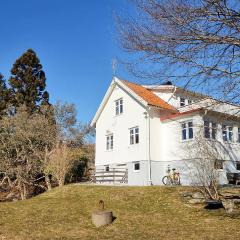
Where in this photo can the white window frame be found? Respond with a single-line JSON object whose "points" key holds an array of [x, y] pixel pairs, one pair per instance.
{"points": [[134, 135], [119, 106], [227, 130], [188, 125], [134, 166], [211, 127], [109, 142]]}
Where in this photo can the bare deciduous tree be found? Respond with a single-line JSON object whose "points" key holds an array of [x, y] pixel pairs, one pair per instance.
{"points": [[69, 143], [34, 147], [196, 43], [23, 139], [207, 158], [59, 162]]}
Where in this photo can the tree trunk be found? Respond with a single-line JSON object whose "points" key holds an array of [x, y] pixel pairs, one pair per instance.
{"points": [[23, 191], [60, 182], [48, 182]]}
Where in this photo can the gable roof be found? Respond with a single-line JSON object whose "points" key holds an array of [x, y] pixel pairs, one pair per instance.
{"points": [[138, 92], [148, 96]]}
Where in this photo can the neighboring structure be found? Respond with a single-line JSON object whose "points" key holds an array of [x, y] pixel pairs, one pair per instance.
{"points": [[147, 129]]}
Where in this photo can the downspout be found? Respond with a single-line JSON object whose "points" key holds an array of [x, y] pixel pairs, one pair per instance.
{"points": [[149, 149]]}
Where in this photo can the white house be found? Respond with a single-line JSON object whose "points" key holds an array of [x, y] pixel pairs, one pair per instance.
{"points": [[147, 129]]}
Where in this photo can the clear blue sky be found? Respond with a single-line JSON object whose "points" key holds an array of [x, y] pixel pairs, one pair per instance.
{"points": [[75, 40]]}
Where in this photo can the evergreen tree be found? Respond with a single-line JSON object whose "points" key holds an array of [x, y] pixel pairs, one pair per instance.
{"points": [[28, 82], [4, 96]]}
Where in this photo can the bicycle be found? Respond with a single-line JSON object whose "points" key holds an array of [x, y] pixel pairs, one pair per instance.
{"points": [[172, 178]]}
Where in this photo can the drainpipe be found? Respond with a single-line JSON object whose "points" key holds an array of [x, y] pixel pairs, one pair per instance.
{"points": [[149, 146]]}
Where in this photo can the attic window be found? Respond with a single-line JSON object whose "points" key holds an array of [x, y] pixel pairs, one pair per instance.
{"points": [[119, 106], [182, 102]]}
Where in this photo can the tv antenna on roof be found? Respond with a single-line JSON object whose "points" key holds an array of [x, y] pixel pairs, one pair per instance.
{"points": [[114, 66]]}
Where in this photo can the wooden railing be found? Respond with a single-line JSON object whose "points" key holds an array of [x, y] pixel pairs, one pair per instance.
{"points": [[114, 175]]}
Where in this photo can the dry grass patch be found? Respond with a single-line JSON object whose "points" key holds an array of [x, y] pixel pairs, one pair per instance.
{"points": [[142, 213]]}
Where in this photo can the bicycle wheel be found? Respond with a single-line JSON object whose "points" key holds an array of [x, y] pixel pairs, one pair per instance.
{"points": [[166, 181]]}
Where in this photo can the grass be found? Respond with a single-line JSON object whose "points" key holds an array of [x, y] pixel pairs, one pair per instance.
{"points": [[142, 213]]}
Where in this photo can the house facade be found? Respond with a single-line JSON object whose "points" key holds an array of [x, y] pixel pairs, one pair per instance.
{"points": [[149, 129]]}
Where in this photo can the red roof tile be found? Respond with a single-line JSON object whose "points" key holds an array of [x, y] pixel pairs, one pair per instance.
{"points": [[151, 98]]}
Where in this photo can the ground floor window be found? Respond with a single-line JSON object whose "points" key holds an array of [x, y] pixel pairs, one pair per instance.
{"points": [[136, 166], [107, 168], [238, 165], [218, 164]]}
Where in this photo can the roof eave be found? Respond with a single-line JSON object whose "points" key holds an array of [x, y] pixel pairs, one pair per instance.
{"points": [[103, 103], [180, 115], [115, 82], [161, 108]]}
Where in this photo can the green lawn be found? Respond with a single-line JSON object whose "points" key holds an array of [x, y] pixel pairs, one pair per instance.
{"points": [[142, 213]]}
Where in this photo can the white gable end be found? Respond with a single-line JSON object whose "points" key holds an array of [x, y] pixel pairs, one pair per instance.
{"points": [[118, 125]]}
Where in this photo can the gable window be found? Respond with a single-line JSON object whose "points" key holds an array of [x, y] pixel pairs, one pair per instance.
{"points": [[187, 130], [182, 102], [136, 166], [134, 135], [185, 102], [227, 133], [119, 106], [109, 142], [210, 129]]}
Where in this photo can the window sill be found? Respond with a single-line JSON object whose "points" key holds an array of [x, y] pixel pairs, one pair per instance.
{"points": [[187, 140], [221, 141], [229, 142], [110, 150], [120, 114], [133, 145], [212, 140]]}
